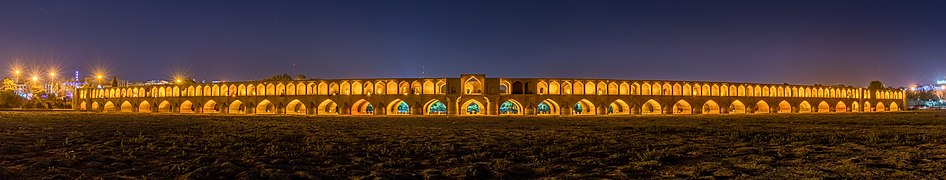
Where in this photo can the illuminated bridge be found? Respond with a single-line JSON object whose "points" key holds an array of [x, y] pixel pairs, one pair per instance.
{"points": [[475, 94]]}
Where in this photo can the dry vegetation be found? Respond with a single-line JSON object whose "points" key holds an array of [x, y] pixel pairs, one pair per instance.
{"points": [[70, 145]]}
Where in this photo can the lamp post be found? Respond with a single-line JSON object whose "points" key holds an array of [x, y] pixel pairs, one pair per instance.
{"points": [[16, 80], [52, 83], [99, 79]]}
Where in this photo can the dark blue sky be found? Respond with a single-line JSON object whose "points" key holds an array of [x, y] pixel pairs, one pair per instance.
{"points": [[799, 42]]}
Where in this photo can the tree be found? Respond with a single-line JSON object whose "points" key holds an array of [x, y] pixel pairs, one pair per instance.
{"points": [[9, 98], [283, 77], [8, 84], [114, 81], [300, 77], [876, 85]]}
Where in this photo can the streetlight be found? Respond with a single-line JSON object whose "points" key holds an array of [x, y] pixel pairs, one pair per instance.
{"points": [[99, 79]]}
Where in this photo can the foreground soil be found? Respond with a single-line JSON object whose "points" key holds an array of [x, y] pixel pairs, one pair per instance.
{"points": [[68, 145]]}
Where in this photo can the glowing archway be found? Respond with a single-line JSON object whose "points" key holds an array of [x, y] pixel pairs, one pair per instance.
{"points": [[804, 107], [841, 107], [398, 107], [265, 107], [127, 107], [82, 106], [824, 107], [894, 107], [211, 107], [737, 107], [296, 107], [144, 107], [164, 107], [619, 107], [187, 107], [547, 107], [95, 106], [362, 107], [867, 106], [236, 107], [855, 107], [510, 107], [651, 107], [682, 107], [584, 107], [762, 107], [327, 107], [472, 107], [710, 107], [109, 107], [880, 107], [435, 107], [784, 107]]}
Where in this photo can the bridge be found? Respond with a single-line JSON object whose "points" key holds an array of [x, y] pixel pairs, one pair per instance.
{"points": [[475, 94]]}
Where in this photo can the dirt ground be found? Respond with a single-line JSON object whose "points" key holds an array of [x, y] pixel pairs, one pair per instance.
{"points": [[68, 145]]}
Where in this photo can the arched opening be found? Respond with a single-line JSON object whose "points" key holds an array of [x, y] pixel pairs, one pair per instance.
{"points": [[584, 107], [762, 107], [472, 107], [517, 88], [824, 107], [164, 107], [398, 107], [473, 86], [95, 106], [619, 107], [265, 107], [144, 107], [510, 107], [894, 107], [840, 107], [236, 107], [867, 106], [127, 107], [82, 106], [651, 107], [328, 107], [187, 107], [737, 107], [435, 107], [296, 107], [784, 107], [880, 107], [211, 107], [547, 107], [362, 107], [710, 107], [855, 107], [682, 107], [109, 107], [804, 107]]}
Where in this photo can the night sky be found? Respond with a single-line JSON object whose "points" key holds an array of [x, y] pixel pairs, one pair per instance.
{"points": [[798, 42]]}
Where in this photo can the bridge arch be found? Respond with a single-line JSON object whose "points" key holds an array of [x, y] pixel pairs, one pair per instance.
{"points": [[510, 107], [164, 107], [840, 107], [296, 107], [144, 107], [547, 107], [327, 107], [824, 107], [236, 107], [804, 107], [867, 106], [682, 107], [880, 107], [584, 107], [265, 107], [109, 107], [651, 107], [784, 107], [894, 107], [398, 107], [737, 107], [211, 107], [855, 107], [82, 106], [435, 107], [362, 107], [710, 107], [127, 107], [472, 107], [619, 107], [762, 107], [187, 107]]}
